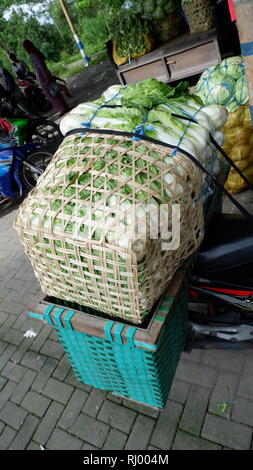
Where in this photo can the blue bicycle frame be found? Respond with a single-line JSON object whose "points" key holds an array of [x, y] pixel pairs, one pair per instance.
{"points": [[9, 174]]}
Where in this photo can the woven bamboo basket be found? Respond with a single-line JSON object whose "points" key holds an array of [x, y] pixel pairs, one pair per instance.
{"points": [[168, 28], [68, 228], [199, 15]]}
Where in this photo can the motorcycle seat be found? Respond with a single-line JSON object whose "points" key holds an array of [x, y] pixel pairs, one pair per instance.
{"points": [[237, 278], [228, 243]]}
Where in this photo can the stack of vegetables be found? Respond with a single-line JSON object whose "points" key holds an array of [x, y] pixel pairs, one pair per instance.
{"points": [[164, 16], [238, 143], [154, 9], [90, 225], [149, 106], [131, 37], [199, 15], [226, 84]]}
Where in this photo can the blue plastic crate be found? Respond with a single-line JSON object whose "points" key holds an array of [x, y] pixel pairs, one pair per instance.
{"points": [[134, 362]]}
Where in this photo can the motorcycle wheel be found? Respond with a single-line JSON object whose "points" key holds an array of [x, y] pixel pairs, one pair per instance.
{"points": [[45, 132], [39, 159]]}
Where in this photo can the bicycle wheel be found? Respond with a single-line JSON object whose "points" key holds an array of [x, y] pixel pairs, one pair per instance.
{"points": [[46, 132], [29, 176]]}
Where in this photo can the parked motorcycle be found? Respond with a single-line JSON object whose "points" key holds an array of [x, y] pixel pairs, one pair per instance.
{"points": [[20, 168], [34, 96], [27, 101], [221, 285], [39, 130], [25, 153], [220, 279]]}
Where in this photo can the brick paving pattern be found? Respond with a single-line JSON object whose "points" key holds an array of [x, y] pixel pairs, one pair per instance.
{"points": [[42, 403]]}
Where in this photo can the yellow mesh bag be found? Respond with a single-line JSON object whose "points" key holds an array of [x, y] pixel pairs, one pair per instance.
{"points": [[241, 164], [238, 144], [240, 152], [237, 135]]}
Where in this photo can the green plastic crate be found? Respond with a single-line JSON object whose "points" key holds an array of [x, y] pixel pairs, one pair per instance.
{"points": [[135, 362]]}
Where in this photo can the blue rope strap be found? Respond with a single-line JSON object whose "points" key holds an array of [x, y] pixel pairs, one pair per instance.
{"points": [[205, 190], [140, 129], [191, 116], [210, 88], [226, 85], [88, 123]]}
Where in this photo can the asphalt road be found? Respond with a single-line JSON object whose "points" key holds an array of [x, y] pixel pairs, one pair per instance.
{"points": [[89, 84]]}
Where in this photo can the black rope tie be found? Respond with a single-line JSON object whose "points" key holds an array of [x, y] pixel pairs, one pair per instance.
{"points": [[210, 178]]}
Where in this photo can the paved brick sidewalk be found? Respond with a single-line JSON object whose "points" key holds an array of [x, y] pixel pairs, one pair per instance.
{"points": [[41, 403]]}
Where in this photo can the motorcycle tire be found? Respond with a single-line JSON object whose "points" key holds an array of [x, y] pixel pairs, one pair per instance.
{"points": [[46, 132], [28, 177]]}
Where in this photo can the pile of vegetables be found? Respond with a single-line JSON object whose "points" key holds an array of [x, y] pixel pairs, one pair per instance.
{"points": [[128, 31], [224, 84], [198, 15], [238, 143], [75, 228], [153, 9], [79, 205], [148, 107]]}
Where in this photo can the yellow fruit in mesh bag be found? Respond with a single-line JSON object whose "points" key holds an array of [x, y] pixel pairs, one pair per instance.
{"points": [[241, 164], [234, 183], [234, 189], [240, 151], [236, 118], [235, 135], [249, 173], [227, 147], [250, 155], [247, 117], [251, 139]]}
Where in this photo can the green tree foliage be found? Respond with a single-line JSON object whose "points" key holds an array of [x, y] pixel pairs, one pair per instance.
{"points": [[46, 26]]}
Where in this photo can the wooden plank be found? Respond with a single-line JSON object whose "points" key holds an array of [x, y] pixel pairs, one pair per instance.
{"points": [[183, 57], [152, 70], [216, 45], [121, 77], [181, 43], [193, 60], [166, 68]]}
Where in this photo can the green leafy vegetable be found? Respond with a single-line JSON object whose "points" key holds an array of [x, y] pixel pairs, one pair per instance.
{"points": [[224, 84]]}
